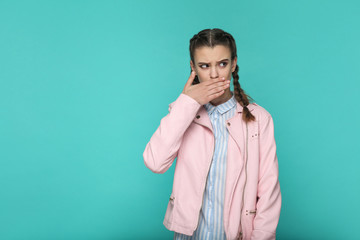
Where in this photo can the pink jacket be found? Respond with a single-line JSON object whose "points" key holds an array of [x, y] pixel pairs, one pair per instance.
{"points": [[252, 191]]}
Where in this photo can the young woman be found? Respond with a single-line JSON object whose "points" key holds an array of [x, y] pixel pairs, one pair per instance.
{"points": [[226, 175]]}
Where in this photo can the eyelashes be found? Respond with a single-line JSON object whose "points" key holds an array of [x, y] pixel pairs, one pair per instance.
{"points": [[222, 64], [225, 64]]}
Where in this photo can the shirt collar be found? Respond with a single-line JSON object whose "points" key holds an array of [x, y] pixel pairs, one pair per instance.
{"points": [[221, 108]]}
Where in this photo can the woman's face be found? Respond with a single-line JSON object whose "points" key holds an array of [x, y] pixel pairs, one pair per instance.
{"points": [[213, 63]]}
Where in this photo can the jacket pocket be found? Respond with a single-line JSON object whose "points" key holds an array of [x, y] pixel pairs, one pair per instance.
{"points": [[248, 224], [169, 215], [250, 212]]}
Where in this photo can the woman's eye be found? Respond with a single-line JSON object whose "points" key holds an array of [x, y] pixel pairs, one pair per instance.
{"points": [[203, 66], [223, 64]]}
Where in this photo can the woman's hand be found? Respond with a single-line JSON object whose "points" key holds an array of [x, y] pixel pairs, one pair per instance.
{"points": [[206, 91]]}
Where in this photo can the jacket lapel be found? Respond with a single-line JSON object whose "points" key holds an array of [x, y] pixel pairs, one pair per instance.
{"points": [[203, 118], [237, 128], [237, 125]]}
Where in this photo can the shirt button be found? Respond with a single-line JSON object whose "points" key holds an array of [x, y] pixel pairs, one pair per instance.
{"points": [[228, 124], [198, 116]]}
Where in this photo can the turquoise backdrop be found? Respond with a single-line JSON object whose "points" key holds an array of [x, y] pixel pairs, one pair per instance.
{"points": [[84, 85]]}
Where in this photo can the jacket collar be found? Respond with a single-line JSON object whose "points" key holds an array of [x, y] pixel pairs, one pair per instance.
{"points": [[236, 124], [203, 118], [221, 108]]}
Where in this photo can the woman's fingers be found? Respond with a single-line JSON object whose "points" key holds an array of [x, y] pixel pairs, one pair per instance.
{"points": [[207, 90], [217, 89], [214, 95], [219, 84], [210, 82], [190, 79]]}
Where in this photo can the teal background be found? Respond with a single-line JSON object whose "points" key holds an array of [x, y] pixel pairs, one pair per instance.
{"points": [[84, 85]]}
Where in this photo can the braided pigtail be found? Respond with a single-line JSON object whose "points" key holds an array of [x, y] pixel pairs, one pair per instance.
{"points": [[242, 97], [195, 42]]}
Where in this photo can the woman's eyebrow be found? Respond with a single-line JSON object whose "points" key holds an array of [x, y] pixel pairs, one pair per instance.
{"points": [[223, 60]]}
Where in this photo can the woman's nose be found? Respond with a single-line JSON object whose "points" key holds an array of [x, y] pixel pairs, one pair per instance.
{"points": [[213, 73]]}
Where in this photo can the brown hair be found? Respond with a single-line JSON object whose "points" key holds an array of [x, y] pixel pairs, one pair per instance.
{"points": [[211, 38]]}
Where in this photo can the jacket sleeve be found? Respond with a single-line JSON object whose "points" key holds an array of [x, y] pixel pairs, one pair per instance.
{"points": [[164, 144], [269, 195]]}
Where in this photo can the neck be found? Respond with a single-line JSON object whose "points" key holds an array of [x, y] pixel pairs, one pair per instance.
{"points": [[222, 98]]}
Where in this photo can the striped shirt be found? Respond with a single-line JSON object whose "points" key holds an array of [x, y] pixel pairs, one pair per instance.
{"points": [[210, 225]]}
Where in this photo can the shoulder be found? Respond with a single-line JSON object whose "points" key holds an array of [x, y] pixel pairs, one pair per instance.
{"points": [[260, 113]]}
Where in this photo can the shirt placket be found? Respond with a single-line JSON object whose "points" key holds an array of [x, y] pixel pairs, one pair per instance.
{"points": [[215, 117]]}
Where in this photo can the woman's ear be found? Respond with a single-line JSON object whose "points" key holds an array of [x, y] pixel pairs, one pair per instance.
{"points": [[192, 66], [233, 64]]}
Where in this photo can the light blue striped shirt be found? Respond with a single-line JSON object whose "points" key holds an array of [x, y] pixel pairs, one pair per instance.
{"points": [[210, 224]]}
